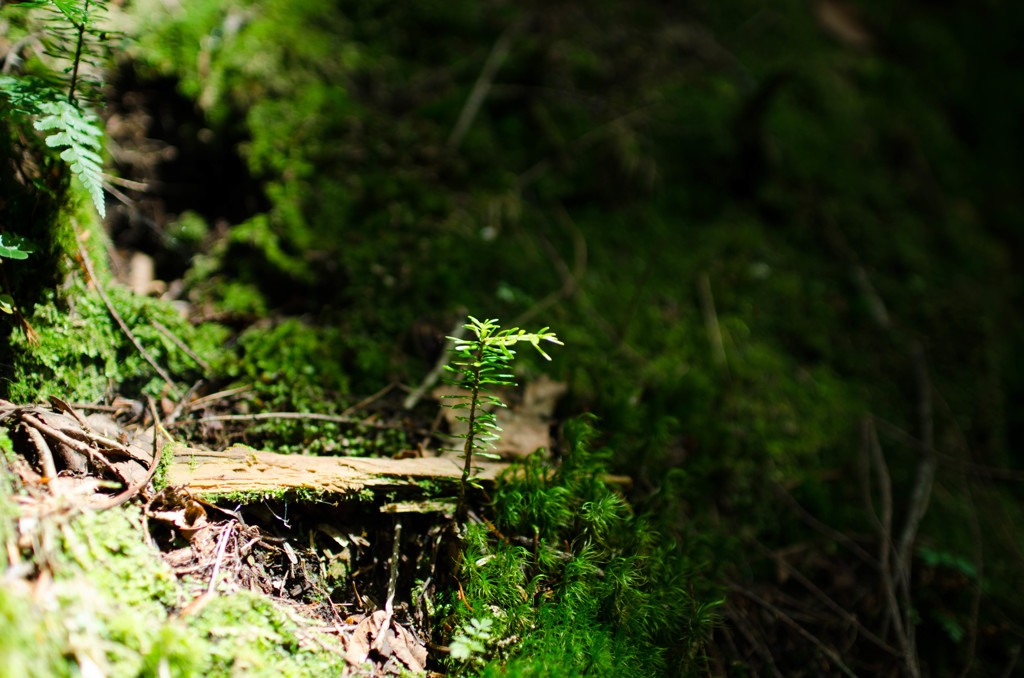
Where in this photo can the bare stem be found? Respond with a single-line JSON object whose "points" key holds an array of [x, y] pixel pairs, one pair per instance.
{"points": [[78, 51], [467, 450]]}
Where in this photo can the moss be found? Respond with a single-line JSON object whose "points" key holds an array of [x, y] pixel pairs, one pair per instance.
{"points": [[302, 495], [247, 634], [8, 509], [296, 366], [113, 604], [105, 547], [82, 355], [171, 450], [571, 639], [601, 592], [30, 644]]}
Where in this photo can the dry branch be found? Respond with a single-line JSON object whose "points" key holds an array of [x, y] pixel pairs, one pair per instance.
{"points": [[707, 306], [827, 650], [499, 52], [454, 336], [925, 478], [135, 488], [413, 485], [182, 345], [874, 458], [845, 614], [45, 455]]}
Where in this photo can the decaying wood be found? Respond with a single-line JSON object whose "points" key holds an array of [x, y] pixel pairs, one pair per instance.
{"points": [[413, 485], [243, 469]]}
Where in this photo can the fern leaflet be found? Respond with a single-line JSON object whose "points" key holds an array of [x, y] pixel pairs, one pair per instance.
{"points": [[79, 135]]}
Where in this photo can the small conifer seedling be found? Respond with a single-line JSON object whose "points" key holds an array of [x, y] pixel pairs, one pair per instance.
{"points": [[482, 363]]}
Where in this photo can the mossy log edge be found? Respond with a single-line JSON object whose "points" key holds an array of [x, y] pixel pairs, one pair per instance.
{"points": [[243, 469]]}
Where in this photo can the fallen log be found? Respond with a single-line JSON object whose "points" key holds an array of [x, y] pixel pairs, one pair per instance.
{"points": [[241, 469]]}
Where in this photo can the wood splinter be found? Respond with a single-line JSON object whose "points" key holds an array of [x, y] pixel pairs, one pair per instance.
{"points": [[243, 469]]}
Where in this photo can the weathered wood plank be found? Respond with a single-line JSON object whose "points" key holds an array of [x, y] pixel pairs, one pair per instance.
{"points": [[243, 469]]}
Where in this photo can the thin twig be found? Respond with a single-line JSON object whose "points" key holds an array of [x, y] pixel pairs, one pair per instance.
{"points": [[84, 436], [829, 532], [707, 305], [369, 399], [45, 455], [874, 458], [783, 617], [981, 471], [132, 490], [824, 598], [495, 59], [127, 183], [926, 467], [183, 404], [761, 648], [97, 439], [221, 547], [121, 197], [414, 397], [298, 416], [74, 444], [97, 408], [219, 395], [113, 312], [919, 499], [12, 58], [66, 408], [392, 581], [182, 345]]}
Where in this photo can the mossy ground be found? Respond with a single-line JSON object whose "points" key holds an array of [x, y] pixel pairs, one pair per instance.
{"points": [[103, 600], [109, 603]]}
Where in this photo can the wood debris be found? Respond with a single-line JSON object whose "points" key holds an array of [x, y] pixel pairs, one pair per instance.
{"points": [[244, 469], [64, 443], [323, 555]]}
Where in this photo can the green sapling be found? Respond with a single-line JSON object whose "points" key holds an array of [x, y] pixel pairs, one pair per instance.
{"points": [[481, 363]]}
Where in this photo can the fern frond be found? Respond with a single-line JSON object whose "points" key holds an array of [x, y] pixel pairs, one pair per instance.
{"points": [[79, 135]]}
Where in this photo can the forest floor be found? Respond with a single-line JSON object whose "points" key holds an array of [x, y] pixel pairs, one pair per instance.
{"points": [[778, 246]]}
